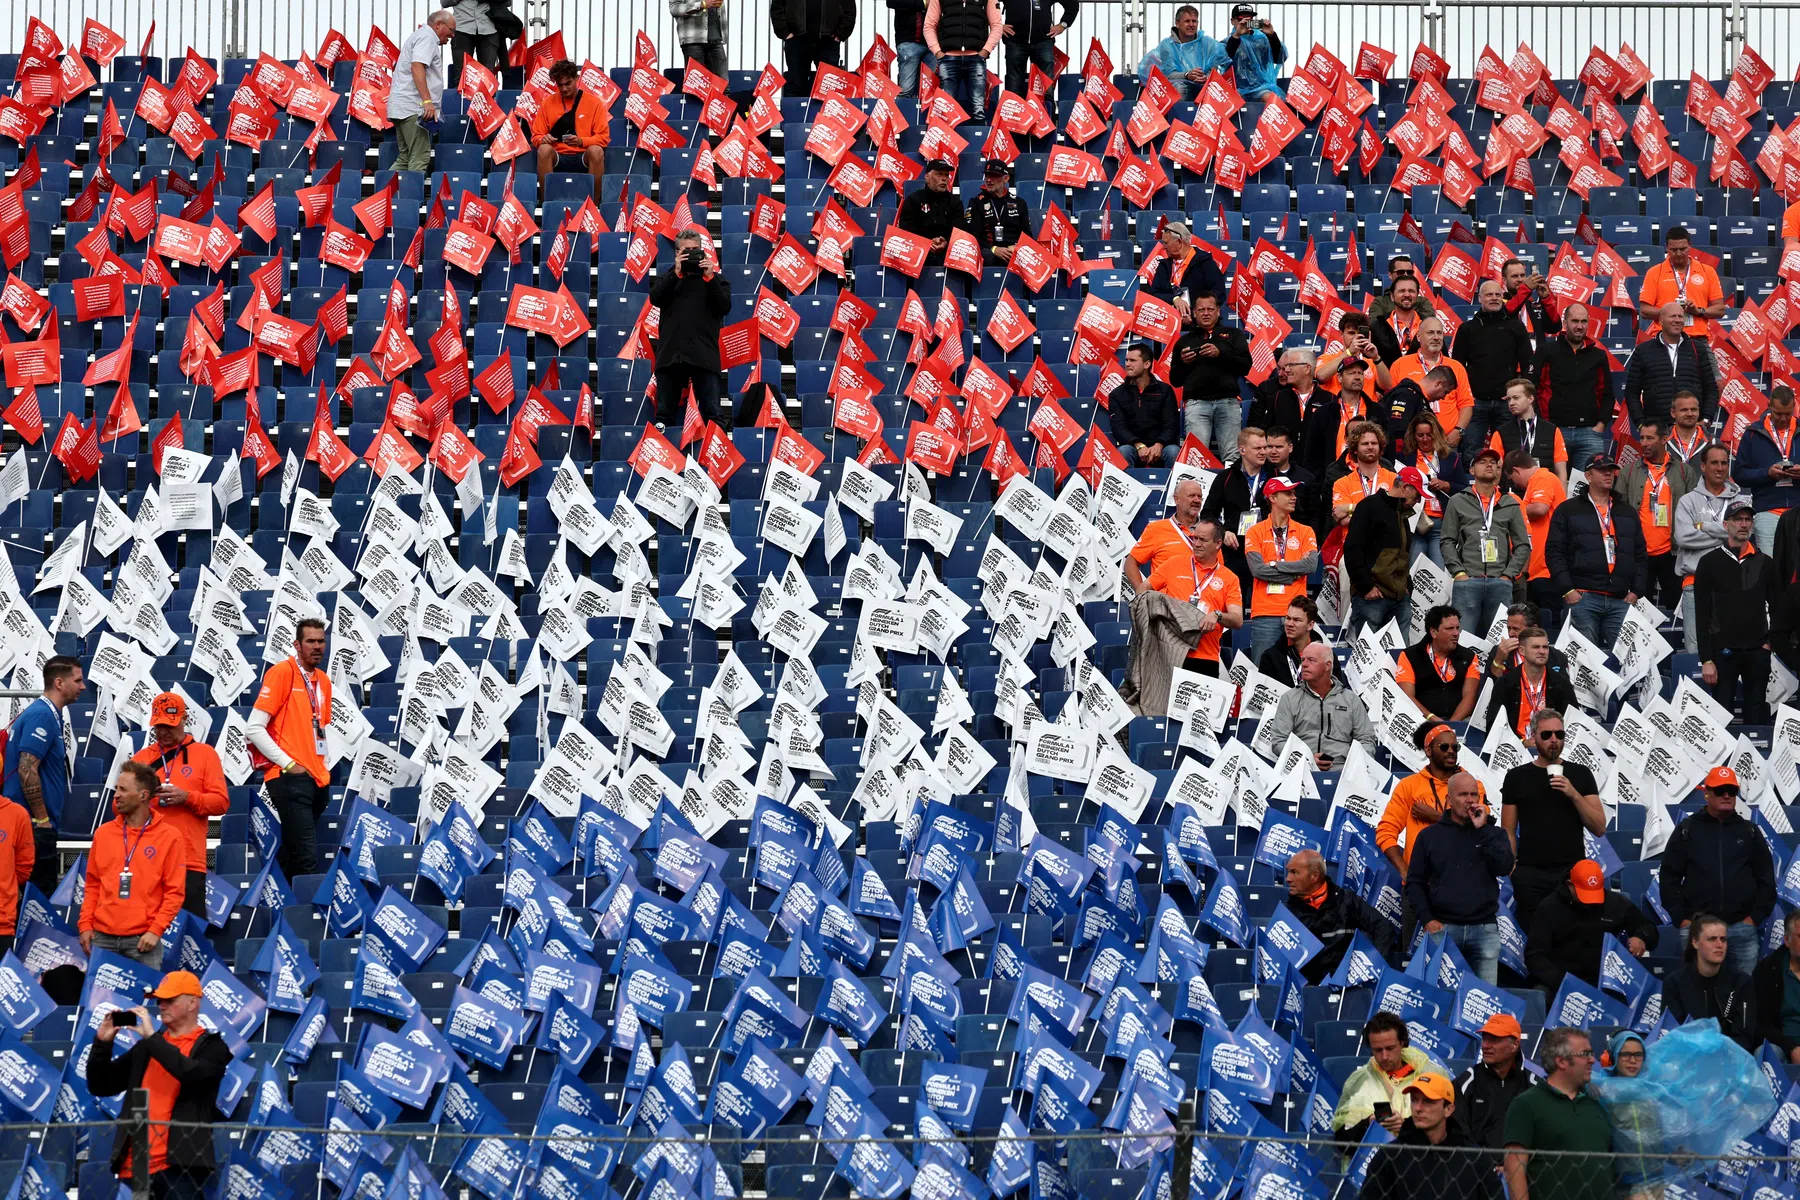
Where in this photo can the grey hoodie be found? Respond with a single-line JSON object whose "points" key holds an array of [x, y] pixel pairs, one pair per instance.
{"points": [[1700, 524]]}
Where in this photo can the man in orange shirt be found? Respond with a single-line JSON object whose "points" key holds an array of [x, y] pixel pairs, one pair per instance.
{"points": [[18, 854], [1367, 477], [1205, 581], [136, 873], [1682, 279], [1281, 553], [1540, 492], [191, 786], [180, 1066], [1421, 798], [1172, 537], [287, 727], [1454, 411], [570, 128]]}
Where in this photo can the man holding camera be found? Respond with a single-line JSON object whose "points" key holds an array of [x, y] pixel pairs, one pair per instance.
{"points": [[693, 298], [570, 129], [136, 873], [190, 786], [1256, 54], [180, 1066]]}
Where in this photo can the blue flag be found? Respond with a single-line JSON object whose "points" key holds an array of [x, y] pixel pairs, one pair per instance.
{"points": [[227, 1003], [960, 916], [398, 1067], [378, 989], [284, 965], [1283, 837], [571, 1033], [22, 1002], [412, 933], [311, 1029], [1579, 1004], [754, 1092], [28, 1084], [483, 1030], [348, 901]]}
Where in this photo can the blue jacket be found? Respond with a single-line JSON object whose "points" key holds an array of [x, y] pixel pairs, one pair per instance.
{"points": [[1757, 452], [1257, 59], [1175, 58]]}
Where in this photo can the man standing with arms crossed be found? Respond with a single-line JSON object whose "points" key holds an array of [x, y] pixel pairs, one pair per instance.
{"points": [[288, 727], [136, 874], [37, 764], [192, 786]]}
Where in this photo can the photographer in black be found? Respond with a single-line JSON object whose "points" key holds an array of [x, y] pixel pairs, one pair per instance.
{"points": [[694, 300]]}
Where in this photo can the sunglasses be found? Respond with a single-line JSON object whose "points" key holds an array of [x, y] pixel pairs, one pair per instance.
{"points": [[1550, 733]]}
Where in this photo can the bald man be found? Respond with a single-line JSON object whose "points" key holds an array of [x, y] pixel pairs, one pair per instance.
{"points": [[1575, 387], [1669, 363], [1322, 712], [1332, 914], [1453, 876], [1169, 539]]}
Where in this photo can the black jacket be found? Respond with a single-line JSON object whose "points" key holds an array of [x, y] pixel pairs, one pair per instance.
{"points": [[1541, 444], [1399, 405], [1493, 348], [1335, 923], [1274, 405], [1575, 550], [1202, 278], [1732, 1002], [1318, 448], [837, 18], [1651, 382], [1559, 691], [1212, 378], [997, 220], [1768, 983], [931, 214], [1574, 387], [1376, 525], [909, 20], [198, 1074], [1717, 867], [1409, 1168], [1784, 615], [1732, 596], [692, 310], [1281, 664], [1031, 19], [1482, 1098], [1566, 935], [1151, 416], [1454, 873]]}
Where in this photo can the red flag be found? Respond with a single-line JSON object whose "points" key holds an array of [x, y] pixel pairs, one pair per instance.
{"points": [[325, 447], [168, 437], [24, 415]]}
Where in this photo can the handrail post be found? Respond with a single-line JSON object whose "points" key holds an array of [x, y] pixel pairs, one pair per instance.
{"points": [[136, 1114]]}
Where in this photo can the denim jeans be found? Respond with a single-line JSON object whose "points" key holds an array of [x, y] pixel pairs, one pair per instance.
{"points": [[1480, 946], [1742, 944], [1129, 453], [1598, 619], [964, 76], [1376, 613], [1690, 637], [1489, 415], [1430, 543], [912, 54], [1018, 57], [127, 945], [1763, 531], [1475, 600], [1582, 444], [1265, 632], [1215, 422]]}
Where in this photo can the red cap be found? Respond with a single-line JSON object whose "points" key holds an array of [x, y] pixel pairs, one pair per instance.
{"points": [[1279, 484], [1589, 881], [1410, 477], [1720, 777]]}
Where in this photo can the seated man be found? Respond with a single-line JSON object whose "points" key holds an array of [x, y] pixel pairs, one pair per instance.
{"points": [[1393, 1064], [571, 127], [1321, 712], [1569, 929], [1438, 673], [1332, 914]]}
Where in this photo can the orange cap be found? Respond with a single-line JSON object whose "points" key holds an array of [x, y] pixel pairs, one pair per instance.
{"points": [[1720, 777], [168, 709], [1502, 1025], [1433, 1086], [1589, 881], [177, 983]]}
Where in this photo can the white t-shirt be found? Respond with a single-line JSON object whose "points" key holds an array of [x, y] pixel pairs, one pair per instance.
{"points": [[421, 46]]}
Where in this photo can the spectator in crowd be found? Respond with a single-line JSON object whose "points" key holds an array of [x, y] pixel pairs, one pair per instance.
{"points": [[1365, 476], [1281, 662], [1205, 581], [909, 43], [1575, 387], [1377, 553], [1281, 554], [962, 34], [1357, 336], [1684, 280], [1717, 862], [1507, 654], [1183, 273], [1559, 1115], [694, 299], [1144, 414], [811, 32], [1236, 499], [1212, 359], [287, 727], [1528, 298], [1686, 437], [1168, 540], [1663, 367], [996, 217], [180, 1067], [136, 873], [1278, 458], [1287, 396], [1444, 1170], [1438, 673], [1031, 31], [1569, 929], [480, 34], [1453, 410], [1734, 587], [1776, 983], [1492, 347], [1442, 469], [1595, 552], [1187, 56], [1487, 1089], [1394, 1063], [18, 854], [1452, 882], [190, 786], [1331, 914], [931, 211], [1530, 433], [1325, 435], [700, 29], [1700, 527], [571, 127], [1321, 712], [1546, 804], [417, 88], [1542, 494], [1256, 54], [1409, 399], [1765, 466], [1540, 679], [1620, 1059], [1421, 798], [1486, 546], [37, 764], [1653, 488], [1394, 319], [1708, 985]]}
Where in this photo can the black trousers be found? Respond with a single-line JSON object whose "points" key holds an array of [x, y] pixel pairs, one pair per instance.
{"points": [[46, 873], [671, 393], [179, 1183], [1532, 885], [488, 49], [802, 54], [710, 54], [1752, 667], [1665, 584], [196, 892], [1543, 593], [299, 802]]}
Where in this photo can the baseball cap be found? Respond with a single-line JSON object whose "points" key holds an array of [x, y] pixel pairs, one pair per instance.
{"points": [[177, 983], [937, 164], [1502, 1025], [1487, 452], [1589, 881], [1242, 10], [1410, 477], [1721, 777], [1278, 485], [997, 166], [1603, 462], [168, 709], [1352, 364], [1433, 1086], [1733, 510]]}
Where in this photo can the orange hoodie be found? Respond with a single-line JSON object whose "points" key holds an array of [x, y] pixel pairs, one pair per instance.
{"points": [[193, 767], [158, 878], [18, 854]]}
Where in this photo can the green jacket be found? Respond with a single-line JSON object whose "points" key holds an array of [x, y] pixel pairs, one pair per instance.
{"points": [[1462, 538]]}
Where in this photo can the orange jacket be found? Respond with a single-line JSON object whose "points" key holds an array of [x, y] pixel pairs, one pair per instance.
{"points": [[158, 878], [18, 854], [592, 127], [1398, 816], [284, 696], [195, 768]]}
